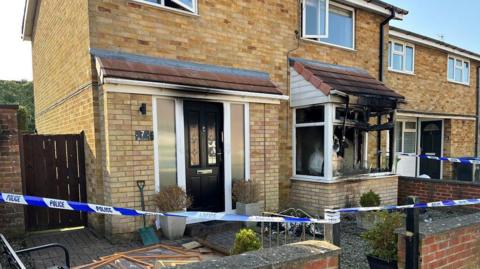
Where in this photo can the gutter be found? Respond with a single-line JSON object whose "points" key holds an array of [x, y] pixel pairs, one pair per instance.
{"points": [[381, 75], [477, 114]]}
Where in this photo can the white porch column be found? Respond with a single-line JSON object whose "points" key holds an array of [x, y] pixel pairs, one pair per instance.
{"points": [[329, 117]]}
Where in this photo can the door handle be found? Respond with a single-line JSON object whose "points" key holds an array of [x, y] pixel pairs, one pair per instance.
{"points": [[204, 171]]}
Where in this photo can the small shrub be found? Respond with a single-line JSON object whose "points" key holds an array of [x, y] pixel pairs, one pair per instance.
{"points": [[246, 192], [172, 198], [245, 240], [369, 199], [382, 238]]}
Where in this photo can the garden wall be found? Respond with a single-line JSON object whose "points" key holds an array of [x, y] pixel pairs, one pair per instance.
{"points": [[431, 190], [448, 243], [303, 255], [11, 216]]}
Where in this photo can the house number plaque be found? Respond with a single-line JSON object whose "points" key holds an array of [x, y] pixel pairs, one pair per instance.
{"points": [[143, 135]]}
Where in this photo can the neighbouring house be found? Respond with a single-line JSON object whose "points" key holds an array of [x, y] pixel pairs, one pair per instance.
{"points": [[199, 93]]}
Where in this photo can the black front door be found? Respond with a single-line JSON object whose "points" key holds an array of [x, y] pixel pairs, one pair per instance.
{"points": [[431, 145], [204, 159]]}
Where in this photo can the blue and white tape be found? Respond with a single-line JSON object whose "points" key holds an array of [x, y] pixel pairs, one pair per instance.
{"points": [[445, 159], [110, 210], [445, 203]]}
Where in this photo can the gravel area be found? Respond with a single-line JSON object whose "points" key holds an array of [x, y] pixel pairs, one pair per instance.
{"points": [[354, 248]]}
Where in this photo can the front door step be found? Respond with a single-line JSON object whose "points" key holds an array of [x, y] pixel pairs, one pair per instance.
{"points": [[205, 228]]}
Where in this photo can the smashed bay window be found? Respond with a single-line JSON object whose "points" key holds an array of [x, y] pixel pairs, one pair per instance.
{"points": [[310, 142]]}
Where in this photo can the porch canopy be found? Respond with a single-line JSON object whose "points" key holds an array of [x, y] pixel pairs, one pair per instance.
{"points": [[348, 103], [339, 80], [124, 68]]}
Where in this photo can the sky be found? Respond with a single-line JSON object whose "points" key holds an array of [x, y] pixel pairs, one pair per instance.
{"points": [[15, 54], [457, 23]]}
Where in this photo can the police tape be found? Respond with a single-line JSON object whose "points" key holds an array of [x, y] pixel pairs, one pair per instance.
{"points": [[119, 211], [331, 216], [464, 160], [445, 203]]}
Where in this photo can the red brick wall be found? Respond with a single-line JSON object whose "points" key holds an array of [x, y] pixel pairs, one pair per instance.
{"points": [[457, 248], [11, 216], [430, 190]]}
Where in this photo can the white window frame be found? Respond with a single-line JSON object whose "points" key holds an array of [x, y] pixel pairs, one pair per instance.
{"points": [[317, 40], [328, 143], [391, 44], [463, 60], [405, 130], [304, 20], [193, 10]]}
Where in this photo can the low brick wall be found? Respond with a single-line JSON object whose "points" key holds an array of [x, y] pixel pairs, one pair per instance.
{"points": [[430, 190], [314, 197], [303, 255], [449, 243], [11, 216]]}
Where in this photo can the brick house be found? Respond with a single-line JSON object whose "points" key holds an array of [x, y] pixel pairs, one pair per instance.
{"points": [[199, 93]]}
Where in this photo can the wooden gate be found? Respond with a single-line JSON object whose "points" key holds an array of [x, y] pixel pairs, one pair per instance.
{"points": [[54, 167]]}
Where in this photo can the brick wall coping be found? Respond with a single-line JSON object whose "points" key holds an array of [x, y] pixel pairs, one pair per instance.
{"points": [[440, 181], [272, 257], [445, 225], [348, 178], [8, 106]]}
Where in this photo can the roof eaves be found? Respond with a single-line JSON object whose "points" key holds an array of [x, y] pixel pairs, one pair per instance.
{"points": [[28, 19]]}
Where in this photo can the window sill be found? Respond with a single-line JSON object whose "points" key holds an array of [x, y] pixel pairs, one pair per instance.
{"points": [[170, 9], [343, 178], [459, 83], [401, 72], [328, 44]]}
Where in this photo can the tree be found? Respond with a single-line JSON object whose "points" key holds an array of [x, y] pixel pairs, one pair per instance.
{"points": [[21, 93]]}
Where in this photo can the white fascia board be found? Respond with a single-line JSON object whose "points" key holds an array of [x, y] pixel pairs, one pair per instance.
{"points": [[429, 43], [155, 88], [373, 7], [28, 19]]}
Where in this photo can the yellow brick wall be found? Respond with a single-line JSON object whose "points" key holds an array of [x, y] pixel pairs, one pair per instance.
{"points": [[428, 90], [315, 197], [65, 95]]}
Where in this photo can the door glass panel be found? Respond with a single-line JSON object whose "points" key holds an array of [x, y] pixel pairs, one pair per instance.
{"points": [[194, 138], [166, 142], [238, 141], [410, 138], [212, 138], [398, 135]]}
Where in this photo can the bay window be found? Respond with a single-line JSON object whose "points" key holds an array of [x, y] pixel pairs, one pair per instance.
{"points": [[401, 57], [458, 70]]}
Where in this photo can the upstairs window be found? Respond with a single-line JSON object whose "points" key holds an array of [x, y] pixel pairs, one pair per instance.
{"points": [[401, 57], [315, 18], [185, 5], [458, 70], [329, 22]]}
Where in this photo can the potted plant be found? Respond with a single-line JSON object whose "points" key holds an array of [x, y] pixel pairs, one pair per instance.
{"points": [[366, 220], [245, 240], [247, 197], [172, 199], [383, 241]]}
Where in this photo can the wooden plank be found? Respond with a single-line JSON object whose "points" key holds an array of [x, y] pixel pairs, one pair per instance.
{"points": [[51, 183], [61, 166]]}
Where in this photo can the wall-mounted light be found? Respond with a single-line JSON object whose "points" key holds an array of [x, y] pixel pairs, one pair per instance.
{"points": [[143, 109]]}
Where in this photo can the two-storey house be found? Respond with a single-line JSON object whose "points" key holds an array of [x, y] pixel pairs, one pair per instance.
{"points": [[286, 93]]}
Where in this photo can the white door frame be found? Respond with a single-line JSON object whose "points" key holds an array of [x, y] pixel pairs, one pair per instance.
{"points": [[419, 131], [180, 146]]}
